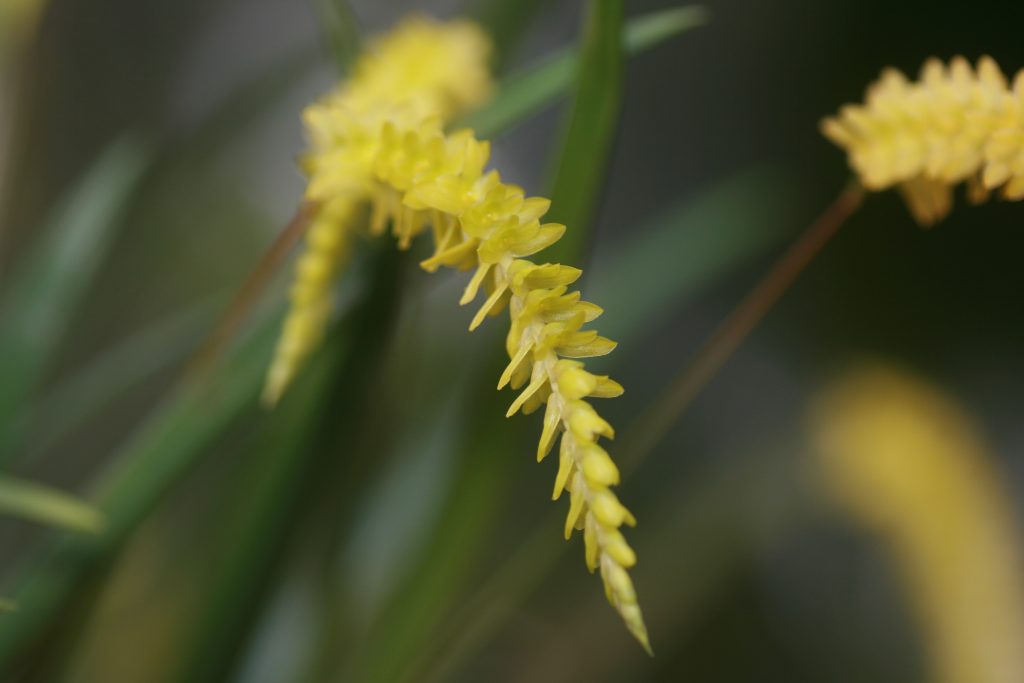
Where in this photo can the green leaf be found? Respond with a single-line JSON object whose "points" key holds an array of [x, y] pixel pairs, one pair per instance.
{"points": [[7, 605], [42, 295], [289, 471], [48, 506], [590, 130], [341, 30], [664, 264], [523, 94], [505, 21], [163, 449], [118, 369]]}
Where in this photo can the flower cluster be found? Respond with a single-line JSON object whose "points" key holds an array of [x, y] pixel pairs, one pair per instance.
{"points": [[387, 148], [955, 124], [422, 70]]}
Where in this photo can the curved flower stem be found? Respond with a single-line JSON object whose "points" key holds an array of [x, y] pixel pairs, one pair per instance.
{"points": [[249, 294], [652, 427]]}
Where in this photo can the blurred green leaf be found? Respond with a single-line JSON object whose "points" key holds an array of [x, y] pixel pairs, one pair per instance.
{"points": [[120, 368], [157, 456], [42, 295], [341, 30], [590, 129], [523, 94], [505, 21], [665, 263], [48, 506], [288, 470], [7, 605]]}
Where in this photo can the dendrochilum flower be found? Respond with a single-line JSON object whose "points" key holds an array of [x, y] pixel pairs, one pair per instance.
{"points": [[379, 142], [420, 74], [956, 123]]}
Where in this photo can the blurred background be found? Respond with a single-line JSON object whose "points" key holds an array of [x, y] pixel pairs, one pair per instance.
{"points": [[840, 503]]}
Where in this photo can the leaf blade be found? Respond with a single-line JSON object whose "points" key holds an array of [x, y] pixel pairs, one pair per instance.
{"points": [[524, 93], [38, 305], [590, 128], [45, 505]]}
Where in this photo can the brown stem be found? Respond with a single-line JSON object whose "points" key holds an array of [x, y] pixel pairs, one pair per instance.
{"points": [[249, 293], [649, 430]]}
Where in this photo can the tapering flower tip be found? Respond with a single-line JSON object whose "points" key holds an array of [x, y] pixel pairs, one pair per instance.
{"points": [[311, 295], [956, 123]]}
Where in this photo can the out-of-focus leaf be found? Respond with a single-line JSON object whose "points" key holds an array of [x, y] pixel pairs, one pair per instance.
{"points": [[590, 129], [341, 30], [161, 451], [7, 605], [119, 368], [691, 245], [48, 506], [41, 296], [524, 93], [288, 470], [506, 21]]}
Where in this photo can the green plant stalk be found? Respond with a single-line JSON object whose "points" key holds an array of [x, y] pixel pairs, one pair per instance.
{"points": [[665, 411]]}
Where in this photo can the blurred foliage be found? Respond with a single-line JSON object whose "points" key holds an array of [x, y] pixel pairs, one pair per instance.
{"points": [[386, 523]]}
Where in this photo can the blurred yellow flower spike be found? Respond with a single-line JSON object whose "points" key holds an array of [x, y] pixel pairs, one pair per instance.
{"points": [[421, 74], [905, 462], [380, 141], [956, 123]]}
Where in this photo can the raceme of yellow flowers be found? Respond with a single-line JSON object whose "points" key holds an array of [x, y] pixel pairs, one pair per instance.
{"points": [[905, 462], [955, 124], [379, 141]]}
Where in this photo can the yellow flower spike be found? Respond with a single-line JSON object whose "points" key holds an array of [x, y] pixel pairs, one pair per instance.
{"points": [[379, 140], [904, 461], [311, 295], [953, 125], [388, 118]]}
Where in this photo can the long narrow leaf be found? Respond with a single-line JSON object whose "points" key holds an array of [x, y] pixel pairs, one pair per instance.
{"points": [[341, 30], [40, 300], [162, 451], [120, 368], [590, 130], [48, 506], [506, 21], [690, 245], [286, 470], [525, 93]]}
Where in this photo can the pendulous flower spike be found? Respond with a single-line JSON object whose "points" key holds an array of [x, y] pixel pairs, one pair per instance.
{"points": [[379, 142]]}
